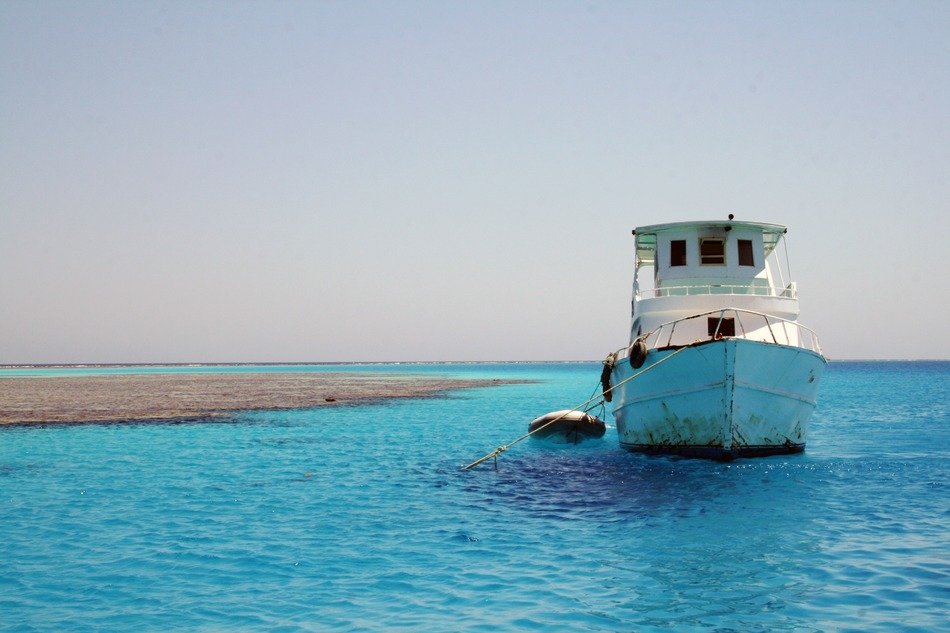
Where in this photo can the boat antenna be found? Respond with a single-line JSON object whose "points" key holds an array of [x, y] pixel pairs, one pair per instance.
{"points": [[788, 262]]}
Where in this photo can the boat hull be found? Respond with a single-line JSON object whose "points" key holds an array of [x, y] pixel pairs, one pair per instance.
{"points": [[719, 399]]}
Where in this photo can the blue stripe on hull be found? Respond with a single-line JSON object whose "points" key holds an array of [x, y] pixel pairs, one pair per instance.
{"points": [[715, 452]]}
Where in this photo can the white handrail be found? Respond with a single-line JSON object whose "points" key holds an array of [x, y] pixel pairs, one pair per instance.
{"points": [[789, 292], [804, 337]]}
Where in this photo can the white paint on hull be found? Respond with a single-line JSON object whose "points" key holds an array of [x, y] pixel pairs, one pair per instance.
{"points": [[720, 398]]}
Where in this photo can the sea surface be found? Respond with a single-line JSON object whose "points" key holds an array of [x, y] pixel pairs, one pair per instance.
{"points": [[361, 519]]}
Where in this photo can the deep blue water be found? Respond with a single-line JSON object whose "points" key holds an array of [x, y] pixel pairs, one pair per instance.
{"points": [[359, 518]]}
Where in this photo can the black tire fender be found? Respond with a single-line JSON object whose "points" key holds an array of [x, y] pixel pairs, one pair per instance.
{"points": [[637, 353]]}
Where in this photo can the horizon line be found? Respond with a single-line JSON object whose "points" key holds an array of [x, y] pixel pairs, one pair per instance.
{"points": [[380, 362]]}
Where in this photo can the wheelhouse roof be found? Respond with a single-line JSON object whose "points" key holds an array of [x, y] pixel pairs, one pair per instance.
{"points": [[646, 235]]}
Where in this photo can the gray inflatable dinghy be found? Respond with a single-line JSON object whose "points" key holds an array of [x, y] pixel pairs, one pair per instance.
{"points": [[567, 427]]}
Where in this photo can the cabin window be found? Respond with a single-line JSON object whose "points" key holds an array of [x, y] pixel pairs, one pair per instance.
{"points": [[726, 328], [745, 253], [677, 252], [712, 250]]}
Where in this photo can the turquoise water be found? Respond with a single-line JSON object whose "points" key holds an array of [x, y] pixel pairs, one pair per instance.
{"points": [[359, 518]]}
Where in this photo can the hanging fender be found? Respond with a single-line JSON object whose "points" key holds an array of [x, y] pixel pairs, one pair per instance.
{"points": [[637, 353], [605, 376]]}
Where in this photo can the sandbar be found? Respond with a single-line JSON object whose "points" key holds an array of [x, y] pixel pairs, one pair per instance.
{"points": [[165, 397]]}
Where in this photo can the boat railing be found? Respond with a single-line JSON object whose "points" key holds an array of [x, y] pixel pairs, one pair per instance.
{"points": [[788, 292], [732, 323]]}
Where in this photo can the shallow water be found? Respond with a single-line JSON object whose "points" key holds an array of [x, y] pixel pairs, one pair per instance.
{"points": [[359, 518]]}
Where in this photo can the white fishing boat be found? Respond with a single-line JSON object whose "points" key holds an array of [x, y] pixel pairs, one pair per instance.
{"points": [[727, 370]]}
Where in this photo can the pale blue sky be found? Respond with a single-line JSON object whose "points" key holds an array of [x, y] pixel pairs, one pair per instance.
{"points": [[333, 181]]}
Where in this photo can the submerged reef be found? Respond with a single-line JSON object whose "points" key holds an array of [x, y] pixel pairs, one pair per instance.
{"points": [[143, 397]]}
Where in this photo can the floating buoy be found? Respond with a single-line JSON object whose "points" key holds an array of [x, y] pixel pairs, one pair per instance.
{"points": [[567, 427]]}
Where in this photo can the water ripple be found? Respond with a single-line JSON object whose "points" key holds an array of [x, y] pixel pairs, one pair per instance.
{"points": [[272, 523]]}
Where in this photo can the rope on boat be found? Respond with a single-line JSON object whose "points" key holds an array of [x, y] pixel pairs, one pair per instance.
{"points": [[606, 392]]}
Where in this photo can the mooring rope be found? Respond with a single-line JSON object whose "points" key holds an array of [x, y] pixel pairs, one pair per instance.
{"points": [[504, 447]]}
